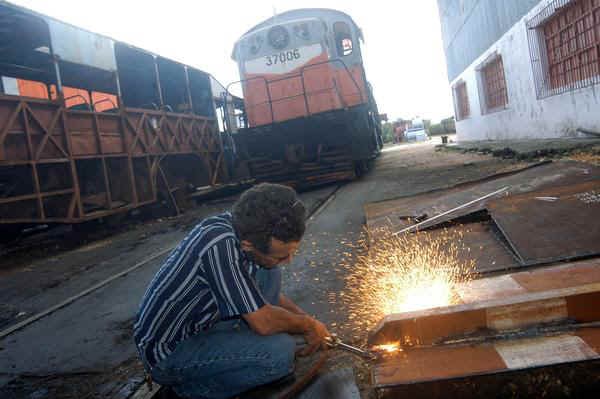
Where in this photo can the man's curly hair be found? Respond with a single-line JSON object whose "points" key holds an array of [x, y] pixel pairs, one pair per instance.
{"points": [[269, 210]]}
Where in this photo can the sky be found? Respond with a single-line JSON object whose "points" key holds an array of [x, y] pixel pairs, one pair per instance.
{"points": [[403, 52]]}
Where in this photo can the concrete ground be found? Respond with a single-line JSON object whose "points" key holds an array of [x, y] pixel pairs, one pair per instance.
{"points": [[85, 349], [525, 149]]}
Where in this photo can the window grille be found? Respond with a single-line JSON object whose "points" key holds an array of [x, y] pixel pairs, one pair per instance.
{"points": [[494, 85], [564, 42]]}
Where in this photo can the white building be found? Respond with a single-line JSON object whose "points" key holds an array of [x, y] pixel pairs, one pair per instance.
{"points": [[523, 68]]}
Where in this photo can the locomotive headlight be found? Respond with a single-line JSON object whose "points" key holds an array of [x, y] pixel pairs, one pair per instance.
{"points": [[302, 31], [278, 37]]}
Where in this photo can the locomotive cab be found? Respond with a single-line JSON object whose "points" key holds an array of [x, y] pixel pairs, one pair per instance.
{"points": [[295, 67], [308, 105]]}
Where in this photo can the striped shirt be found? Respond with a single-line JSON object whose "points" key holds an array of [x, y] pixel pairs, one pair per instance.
{"points": [[205, 279]]}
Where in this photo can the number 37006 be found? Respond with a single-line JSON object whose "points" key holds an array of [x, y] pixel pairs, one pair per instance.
{"points": [[282, 57]]}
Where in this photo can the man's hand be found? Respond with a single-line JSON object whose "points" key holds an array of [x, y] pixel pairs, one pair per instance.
{"points": [[315, 336], [273, 319]]}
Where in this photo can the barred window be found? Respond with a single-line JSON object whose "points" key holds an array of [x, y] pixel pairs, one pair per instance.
{"points": [[493, 85], [564, 41], [461, 101]]}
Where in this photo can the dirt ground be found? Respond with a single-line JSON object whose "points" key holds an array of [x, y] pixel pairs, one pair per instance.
{"points": [[84, 350]]}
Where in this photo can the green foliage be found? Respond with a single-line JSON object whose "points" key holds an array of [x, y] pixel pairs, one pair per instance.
{"points": [[446, 126], [387, 132]]}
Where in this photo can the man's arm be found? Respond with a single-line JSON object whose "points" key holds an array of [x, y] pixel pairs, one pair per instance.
{"points": [[288, 304], [271, 319]]}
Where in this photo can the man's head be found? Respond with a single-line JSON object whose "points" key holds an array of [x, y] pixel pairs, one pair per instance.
{"points": [[269, 219]]}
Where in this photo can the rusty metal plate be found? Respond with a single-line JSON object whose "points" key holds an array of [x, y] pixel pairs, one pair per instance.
{"points": [[504, 326], [394, 215], [482, 244], [446, 362], [430, 364], [556, 277], [551, 294], [557, 223], [490, 318], [575, 380]]}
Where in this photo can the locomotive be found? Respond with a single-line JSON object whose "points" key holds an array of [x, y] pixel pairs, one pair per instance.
{"points": [[309, 112]]}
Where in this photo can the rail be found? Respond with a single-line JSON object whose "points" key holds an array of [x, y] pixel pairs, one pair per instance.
{"points": [[304, 93]]}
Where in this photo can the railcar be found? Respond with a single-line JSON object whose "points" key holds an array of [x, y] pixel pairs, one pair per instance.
{"points": [[91, 127], [309, 112]]}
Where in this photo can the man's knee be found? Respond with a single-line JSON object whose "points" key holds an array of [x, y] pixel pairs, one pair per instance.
{"points": [[282, 348]]}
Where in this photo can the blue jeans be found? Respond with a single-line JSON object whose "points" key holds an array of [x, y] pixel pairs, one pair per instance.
{"points": [[229, 358]]}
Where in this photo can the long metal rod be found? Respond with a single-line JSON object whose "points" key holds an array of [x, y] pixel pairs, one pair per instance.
{"points": [[355, 350], [83, 293], [416, 226]]}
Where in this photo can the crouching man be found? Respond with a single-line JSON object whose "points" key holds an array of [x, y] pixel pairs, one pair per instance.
{"points": [[213, 322]]}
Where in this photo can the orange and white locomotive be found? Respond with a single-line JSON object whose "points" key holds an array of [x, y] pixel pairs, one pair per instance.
{"points": [[309, 110]]}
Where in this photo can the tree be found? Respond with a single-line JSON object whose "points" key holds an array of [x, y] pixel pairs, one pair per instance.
{"points": [[387, 132]]}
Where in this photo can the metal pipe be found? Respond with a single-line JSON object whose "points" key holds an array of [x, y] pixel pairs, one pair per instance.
{"points": [[189, 88], [59, 86], [119, 93], [416, 226], [158, 86]]}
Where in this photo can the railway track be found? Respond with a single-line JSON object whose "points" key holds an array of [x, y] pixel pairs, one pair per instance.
{"points": [[318, 208]]}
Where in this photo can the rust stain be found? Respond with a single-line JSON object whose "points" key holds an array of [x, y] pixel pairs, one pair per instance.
{"points": [[429, 329], [524, 314], [571, 275], [584, 307], [591, 336], [429, 364]]}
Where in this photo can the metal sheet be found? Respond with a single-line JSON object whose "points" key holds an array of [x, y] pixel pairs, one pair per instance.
{"points": [[396, 214], [81, 47], [447, 362], [502, 302], [481, 244], [508, 327], [575, 380], [554, 224]]}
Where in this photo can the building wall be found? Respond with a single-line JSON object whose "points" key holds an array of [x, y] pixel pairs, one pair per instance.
{"points": [[471, 26], [525, 115]]}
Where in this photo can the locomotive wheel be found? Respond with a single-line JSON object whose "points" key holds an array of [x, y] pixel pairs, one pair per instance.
{"points": [[361, 167]]}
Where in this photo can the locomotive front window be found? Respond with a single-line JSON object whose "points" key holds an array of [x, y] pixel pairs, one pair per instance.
{"points": [[343, 38]]}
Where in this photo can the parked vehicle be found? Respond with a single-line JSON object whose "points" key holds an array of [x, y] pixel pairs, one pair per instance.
{"points": [[416, 132]]}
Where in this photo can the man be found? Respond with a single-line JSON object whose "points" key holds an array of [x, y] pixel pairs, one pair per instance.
{"points": [[213, 322]]}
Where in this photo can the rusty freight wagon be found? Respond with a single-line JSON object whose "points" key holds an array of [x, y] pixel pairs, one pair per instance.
{"points": [[310, 116], [90, 126]]}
